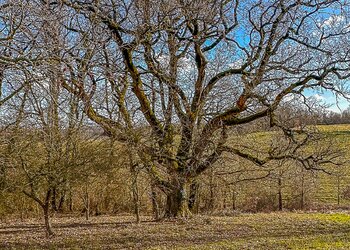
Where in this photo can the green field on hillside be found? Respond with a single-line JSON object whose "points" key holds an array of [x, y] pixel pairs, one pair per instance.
{"points": [[327, 188], [321, 189]]}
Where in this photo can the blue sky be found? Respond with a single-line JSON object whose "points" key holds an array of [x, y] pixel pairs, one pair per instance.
{"points": [[330, 16], [337, 104]]}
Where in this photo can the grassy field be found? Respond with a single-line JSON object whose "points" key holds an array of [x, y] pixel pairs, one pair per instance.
{"points": [[244, 231], [326, 192], [283, 230], [321, 190]]}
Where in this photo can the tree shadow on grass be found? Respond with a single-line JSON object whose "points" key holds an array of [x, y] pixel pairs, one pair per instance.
{"points": [[92, 224], [22, 228]]}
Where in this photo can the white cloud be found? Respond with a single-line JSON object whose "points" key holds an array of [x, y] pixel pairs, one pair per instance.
{"points": [[334, 20], [318, 97]]}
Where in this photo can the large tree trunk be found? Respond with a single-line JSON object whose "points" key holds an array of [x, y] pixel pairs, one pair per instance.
{"points": [[177, 202]]}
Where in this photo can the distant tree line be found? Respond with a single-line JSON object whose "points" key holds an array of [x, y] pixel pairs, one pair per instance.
{"points": [[331, 117]]}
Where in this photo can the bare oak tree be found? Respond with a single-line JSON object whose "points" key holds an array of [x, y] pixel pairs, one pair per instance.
{"points": [[180, 74]]}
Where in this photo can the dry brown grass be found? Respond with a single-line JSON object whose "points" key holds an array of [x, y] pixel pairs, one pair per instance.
{"points": [[246, 231]]}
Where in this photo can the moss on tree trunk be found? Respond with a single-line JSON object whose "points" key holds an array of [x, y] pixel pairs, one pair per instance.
{"points": [[177, 203]]}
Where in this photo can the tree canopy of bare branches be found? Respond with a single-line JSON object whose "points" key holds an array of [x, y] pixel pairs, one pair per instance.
{"points": [[171, 78]]}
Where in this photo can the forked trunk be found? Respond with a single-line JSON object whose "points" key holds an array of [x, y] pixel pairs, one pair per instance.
{"points": [[45, 205]]}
